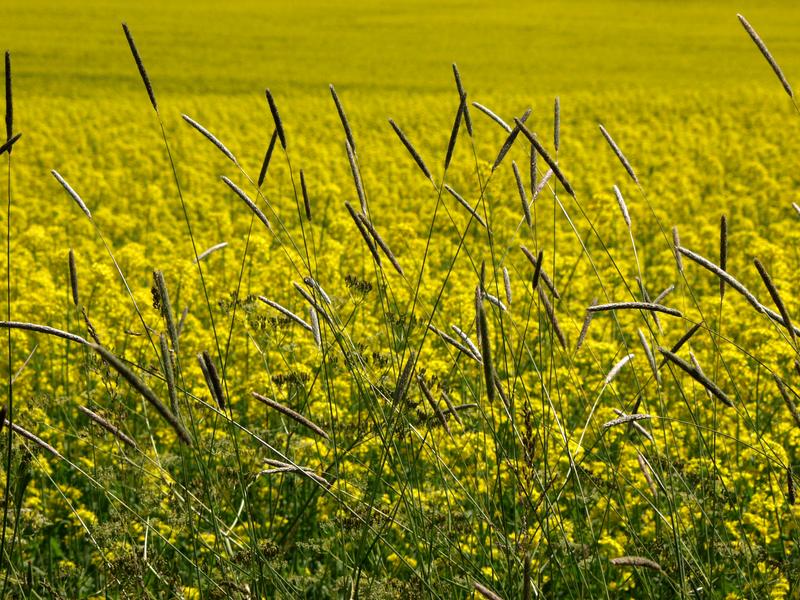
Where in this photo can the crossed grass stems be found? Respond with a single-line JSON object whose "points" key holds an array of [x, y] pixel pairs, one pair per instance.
{"points": [[384, 407]]}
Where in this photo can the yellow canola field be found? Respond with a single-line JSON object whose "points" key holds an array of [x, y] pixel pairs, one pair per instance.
{"points": [[526, 489]]}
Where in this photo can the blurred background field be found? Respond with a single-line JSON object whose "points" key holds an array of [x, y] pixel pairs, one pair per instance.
{"points": [[671, 79], [681, 88], [545, 48], [694, 107]]}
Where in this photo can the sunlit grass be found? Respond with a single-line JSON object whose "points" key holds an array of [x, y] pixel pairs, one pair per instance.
{"points": [[397, 462]]}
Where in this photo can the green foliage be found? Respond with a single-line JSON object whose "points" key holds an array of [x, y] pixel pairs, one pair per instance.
{"points": [[531, 483]]}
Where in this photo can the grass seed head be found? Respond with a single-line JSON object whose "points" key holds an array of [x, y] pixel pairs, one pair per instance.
{"points": [[723, 252], [619, 154], [251, 205], [292, 414], [212, 378], [512, 137], [73, 278], [105, 424], [140, 65], [451, 144], [211, 138], [165, 307], [767, 55], [306, 201], [8, 144], [556, 124], [73, 194], [463, 95], [267, 158], [546, 157], [635, 561], [411, 150], [526, 210], [144, 390], [9, 99], [348, 132], [489, 113], [276, 117], [622, 206]]}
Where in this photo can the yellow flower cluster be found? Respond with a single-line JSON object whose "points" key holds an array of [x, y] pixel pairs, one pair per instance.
{"points": [[403, 451]]}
